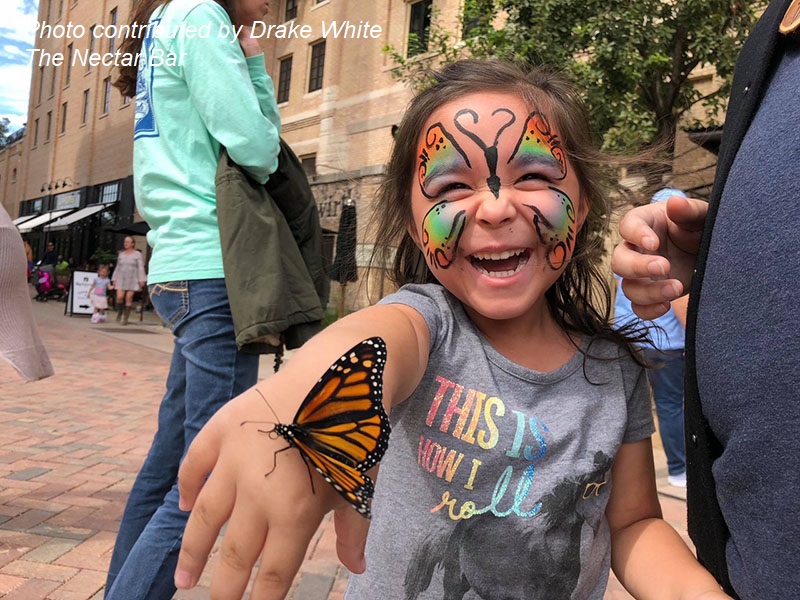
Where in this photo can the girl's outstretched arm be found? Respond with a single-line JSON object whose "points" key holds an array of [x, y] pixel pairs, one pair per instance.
{"points": [[274, 516], [648, 556]]}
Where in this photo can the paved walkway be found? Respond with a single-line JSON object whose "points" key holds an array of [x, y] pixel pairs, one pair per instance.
{"points": [[70, 447]]}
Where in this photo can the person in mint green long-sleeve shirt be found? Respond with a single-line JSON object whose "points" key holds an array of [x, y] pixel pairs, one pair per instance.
{"points": [[194, 95]]}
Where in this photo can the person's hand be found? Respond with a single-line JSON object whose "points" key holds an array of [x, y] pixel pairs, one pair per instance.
{"points": [[657, 255], [271, 514], [250, 45], [142, 284]]}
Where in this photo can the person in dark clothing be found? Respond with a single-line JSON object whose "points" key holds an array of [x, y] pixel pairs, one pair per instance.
{"points": [[50, 256], [742, 342]]}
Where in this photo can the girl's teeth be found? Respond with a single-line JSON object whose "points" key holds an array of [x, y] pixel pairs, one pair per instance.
{"points": [[498, 255], [500, 274]]}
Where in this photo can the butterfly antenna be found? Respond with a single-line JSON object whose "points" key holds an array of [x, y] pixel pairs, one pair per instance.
{"points": [[268, 406]]}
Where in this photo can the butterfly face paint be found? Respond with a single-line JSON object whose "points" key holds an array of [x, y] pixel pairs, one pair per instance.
{"points": [[441, 231], [442, 226], [489, 152], [439, 153], [538, 140], [486, 144], [555, 225]]}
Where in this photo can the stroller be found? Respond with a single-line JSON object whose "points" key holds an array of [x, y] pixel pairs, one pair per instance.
{"points": [[47, 287]]}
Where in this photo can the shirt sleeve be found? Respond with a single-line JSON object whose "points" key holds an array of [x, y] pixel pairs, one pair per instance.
{"points": [[427, 300], [237, 114], [264, 88]]}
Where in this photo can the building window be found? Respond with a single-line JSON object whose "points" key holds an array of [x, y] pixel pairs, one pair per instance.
{"points": [[91, 47], [60, 9], [126, 100], [53, 81], [64, 117], [109, 193], [13, 174], [291, 10], [85, 115], [317, 66], [68, 66], [106, 94], [309, 164], [112, 42], [284, 79], [418, 27], [49, 8], [41, 84], [35, 132], [48, 125]]}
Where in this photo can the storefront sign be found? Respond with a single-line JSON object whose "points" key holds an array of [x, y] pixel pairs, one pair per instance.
{"points": [[68, 200], [79, 303]]}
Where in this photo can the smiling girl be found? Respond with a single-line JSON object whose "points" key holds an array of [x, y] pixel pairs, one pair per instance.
{"points": [[519, 463]]}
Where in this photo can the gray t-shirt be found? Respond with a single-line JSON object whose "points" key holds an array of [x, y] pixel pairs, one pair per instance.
{"points": [[497, 477]]}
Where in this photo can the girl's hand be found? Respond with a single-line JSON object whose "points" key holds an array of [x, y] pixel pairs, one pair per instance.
{"points": [[657, 255], [271, 514], [250, 45]]}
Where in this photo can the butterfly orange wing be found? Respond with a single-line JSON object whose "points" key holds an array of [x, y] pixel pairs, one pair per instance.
{"points": [[341, 427]]}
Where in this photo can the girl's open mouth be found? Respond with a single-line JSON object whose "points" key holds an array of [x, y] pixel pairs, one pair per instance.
{"points": [[500, 264]]}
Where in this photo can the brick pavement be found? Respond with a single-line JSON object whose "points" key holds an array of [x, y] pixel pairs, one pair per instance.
{"points": [[70, 447]]}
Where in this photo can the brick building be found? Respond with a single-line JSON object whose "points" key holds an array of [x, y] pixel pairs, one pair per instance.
{"points": [[336, 93], [337, 97]]}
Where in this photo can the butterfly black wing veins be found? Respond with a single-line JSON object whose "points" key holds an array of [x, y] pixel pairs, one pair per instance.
{"points": [[341, 428]]}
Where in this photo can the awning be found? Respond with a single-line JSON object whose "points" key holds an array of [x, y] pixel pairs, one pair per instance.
{"points": [[20, 220], [42, 220], [78, 215]]}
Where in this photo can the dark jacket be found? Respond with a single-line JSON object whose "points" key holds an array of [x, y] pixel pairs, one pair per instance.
{"points": [[707, 527], [272, 254]]}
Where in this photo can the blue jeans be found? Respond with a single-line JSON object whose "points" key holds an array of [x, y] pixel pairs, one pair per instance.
{"points": [[206, 371], [667, 382]]}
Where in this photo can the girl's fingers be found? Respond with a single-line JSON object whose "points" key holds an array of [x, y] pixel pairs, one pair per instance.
{"points": [[351, 538], [241, 546], [283, 554], [211, 509], [197, 464]]}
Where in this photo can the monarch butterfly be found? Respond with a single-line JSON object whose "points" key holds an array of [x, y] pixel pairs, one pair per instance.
{"points": [[341, 428]]}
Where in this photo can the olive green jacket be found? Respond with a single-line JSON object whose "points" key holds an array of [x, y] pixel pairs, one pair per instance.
{"points": [[272, 254]]}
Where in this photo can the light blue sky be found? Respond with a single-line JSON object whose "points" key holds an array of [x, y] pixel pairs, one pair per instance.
{"points": [[17, 36]]}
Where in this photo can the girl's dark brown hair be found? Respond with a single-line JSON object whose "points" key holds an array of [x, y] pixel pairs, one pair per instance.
{"points": [[142, 10], [580, 300]]}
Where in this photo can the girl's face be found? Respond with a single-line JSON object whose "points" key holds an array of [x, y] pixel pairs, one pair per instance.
{"points": [[102, 272], [496, 204], [127, 243]]}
